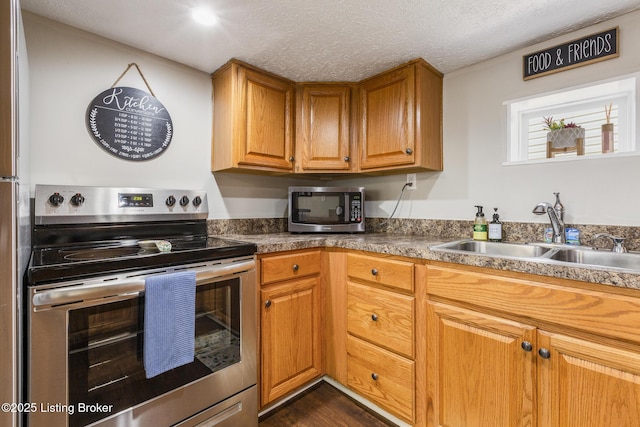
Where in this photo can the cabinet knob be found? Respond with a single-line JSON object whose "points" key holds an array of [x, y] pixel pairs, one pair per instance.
{"points": [[374, 376], [267, 303], [409, 151], [347, 158], [374, 317], [526, 346], [544, 353], [296, 267], [291, 159], [374, 271]]}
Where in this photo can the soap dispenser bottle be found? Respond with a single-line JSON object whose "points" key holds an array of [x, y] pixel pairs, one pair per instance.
{"points": [[495, 227], [479, 225]]}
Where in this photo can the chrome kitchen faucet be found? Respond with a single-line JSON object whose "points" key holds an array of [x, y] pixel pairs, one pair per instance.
{"points": [[556, 216]]}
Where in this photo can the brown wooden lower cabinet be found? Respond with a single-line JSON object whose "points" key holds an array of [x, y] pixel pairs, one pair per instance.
{"points": [[478, 374], [440, 344], [385, 333], [521, 351], [585, 383], [290, 329], [371, 327]]}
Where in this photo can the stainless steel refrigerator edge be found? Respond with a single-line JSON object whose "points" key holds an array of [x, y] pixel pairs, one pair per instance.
{"points": [[14, 204]]}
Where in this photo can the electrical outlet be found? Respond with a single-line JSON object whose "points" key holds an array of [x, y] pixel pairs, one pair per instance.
{"points": [[411, 179]]}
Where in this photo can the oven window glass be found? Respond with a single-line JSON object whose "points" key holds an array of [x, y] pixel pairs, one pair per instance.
{"points": [[105, 350]]}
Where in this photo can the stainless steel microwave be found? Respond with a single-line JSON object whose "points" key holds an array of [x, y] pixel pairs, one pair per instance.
{"points": [[326, 209]]}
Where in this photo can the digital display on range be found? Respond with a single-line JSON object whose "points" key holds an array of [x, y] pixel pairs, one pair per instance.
{"points": [[129, 200]]}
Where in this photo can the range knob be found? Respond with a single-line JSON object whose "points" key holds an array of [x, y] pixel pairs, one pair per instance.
{"points": [[56, 199], [170, 201], [184, 201], [197, 201], [77, 199]]}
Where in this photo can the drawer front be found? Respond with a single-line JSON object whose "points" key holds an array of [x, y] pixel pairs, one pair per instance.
{"points": [[290, 266], [382, 377], [382, 317], [386, 272]]}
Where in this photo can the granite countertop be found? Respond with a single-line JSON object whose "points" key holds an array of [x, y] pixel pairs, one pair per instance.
{"points": [[420, 246]]}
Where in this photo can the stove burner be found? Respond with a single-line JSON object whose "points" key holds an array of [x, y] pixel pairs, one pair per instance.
{"points": [[55, 263]]}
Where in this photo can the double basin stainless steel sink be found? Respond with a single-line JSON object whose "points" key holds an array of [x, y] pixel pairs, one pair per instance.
{"points": [[584, 256]]}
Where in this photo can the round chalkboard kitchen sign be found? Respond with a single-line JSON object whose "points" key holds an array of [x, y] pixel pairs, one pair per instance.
{"points": [[129, 123]]}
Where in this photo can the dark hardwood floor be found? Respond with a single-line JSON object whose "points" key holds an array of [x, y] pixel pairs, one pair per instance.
{"points": [[320, 406]]}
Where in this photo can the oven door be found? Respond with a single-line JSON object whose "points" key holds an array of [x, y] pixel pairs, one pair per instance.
{"points": [[85, 363]]}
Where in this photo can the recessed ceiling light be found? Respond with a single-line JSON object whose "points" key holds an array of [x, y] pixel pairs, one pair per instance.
{"points": [[204, 16]]}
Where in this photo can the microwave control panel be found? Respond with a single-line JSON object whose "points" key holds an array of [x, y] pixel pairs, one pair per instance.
{"points": [[356, 207]]}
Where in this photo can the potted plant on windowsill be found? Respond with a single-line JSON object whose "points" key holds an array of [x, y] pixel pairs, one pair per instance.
{"points": [[561, 134]]}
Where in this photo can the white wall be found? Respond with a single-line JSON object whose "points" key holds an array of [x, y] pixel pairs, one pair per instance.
{"points": [[70, 67]]}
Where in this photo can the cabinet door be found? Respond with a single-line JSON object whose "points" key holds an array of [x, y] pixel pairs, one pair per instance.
{"points": [[587, 384], [291, 336], [478, 373], [264, 125], [323, 131], [387, 108]]}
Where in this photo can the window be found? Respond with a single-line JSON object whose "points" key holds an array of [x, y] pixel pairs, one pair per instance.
{"points": [[587, 107]]}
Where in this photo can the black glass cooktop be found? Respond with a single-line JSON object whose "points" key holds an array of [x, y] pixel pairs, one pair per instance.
{"points": [[51, 263]]}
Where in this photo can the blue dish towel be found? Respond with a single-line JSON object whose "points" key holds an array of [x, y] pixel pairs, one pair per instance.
{"points": [[169, 321]]}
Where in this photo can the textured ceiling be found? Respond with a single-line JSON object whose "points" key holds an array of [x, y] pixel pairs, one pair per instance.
{"points": [[331, 40]]}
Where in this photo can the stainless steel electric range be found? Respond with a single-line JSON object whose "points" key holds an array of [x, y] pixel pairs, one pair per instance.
{"points": [[95, 249]]}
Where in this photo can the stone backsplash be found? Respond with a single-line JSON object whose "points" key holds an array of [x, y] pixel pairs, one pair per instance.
{"points": [[447, 229], [216, 227]]}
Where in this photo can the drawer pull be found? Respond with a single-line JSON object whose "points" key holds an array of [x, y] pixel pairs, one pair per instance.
{"points": [[374, 317], [544, 353], [374, 376], [526, 346], [296, 267], [267, 303], [374, 271]]}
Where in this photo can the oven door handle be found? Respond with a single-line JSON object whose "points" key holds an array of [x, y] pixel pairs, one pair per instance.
{"points": [[128, 287]]}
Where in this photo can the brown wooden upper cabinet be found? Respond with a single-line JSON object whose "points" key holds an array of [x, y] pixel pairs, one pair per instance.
{"points": [[401, 119], [252, 120], [391, 122], [323, 128]]}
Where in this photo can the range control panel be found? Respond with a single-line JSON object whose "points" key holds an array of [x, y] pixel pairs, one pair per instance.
{"points": [[64, 204]]}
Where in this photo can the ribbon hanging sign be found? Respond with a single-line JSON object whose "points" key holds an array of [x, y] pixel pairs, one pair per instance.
{"points": [[129, 123]]}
